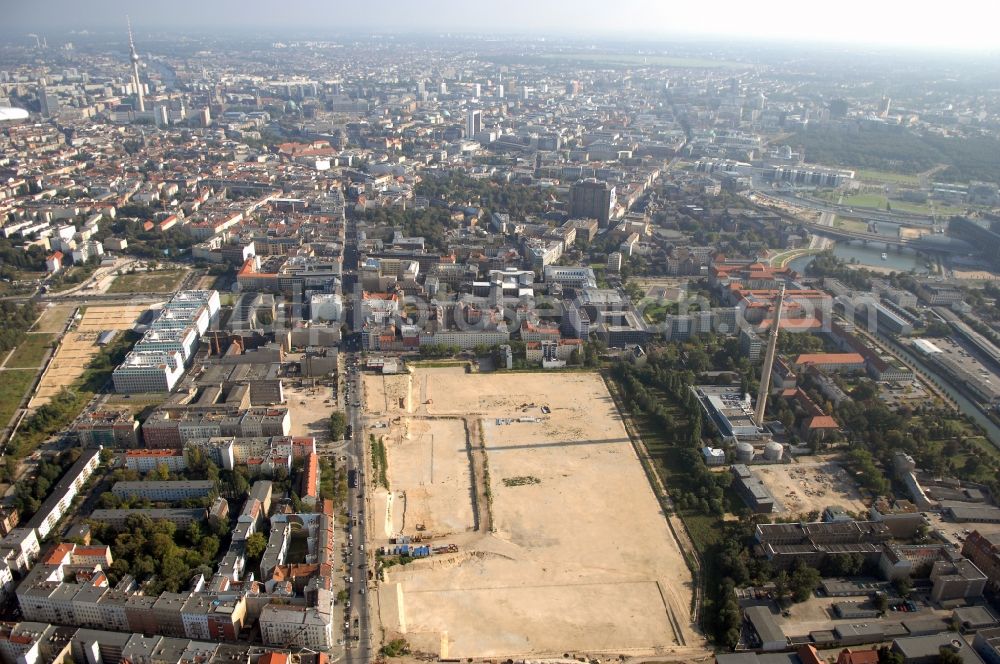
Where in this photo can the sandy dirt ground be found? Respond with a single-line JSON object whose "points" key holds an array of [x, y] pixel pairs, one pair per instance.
{"points": [[76, 349], [110, 317], [53, 318], [913, 233], [811, 485], [580, 558], [309, 409], [975, 275], [429, 475]]}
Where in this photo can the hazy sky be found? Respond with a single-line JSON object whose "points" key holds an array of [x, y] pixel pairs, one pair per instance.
{"points": [[957, 24]]}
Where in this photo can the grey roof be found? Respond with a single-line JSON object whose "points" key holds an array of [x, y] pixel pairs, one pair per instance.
{"points": [[972, 511], [737, 658], [917, 647], [974, 615], [859, 630], [153, 485], [764, 624]]}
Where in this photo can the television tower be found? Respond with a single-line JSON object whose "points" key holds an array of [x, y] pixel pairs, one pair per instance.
{"points": [[134, 57], [765, 372]]}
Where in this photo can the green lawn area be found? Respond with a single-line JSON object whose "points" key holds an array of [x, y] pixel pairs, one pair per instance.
{"points": [[927, 208], [783, 259], [855, 225], [873, 201], [31, 351], [159, 281], [886, 176], [655, 313], [64, 406], [13, 385], [878, 202]]}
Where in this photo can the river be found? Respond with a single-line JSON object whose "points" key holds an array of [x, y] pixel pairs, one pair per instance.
{"points": [[904, 260], [898, 259], [964, 403]]}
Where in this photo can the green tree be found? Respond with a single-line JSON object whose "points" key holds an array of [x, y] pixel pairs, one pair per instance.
{"points": [[881, 602], [396, 648], [193, 533], [804, 581], [948, 656], [209, 546], [781, 586], [255, 546], [338, 425], [888, 656]]}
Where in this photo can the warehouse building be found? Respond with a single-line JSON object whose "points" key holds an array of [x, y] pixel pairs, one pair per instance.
{"points": [[751, 489]]}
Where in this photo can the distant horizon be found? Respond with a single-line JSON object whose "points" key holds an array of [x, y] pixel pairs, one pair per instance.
{"points": [[966, 28], [599, 42]]}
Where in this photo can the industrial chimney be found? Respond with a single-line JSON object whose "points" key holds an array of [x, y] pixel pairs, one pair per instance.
{"points": [[765, 372]]}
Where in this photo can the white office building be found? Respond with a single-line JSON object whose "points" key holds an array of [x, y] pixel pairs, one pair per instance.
{"points": [[148, 371], [473, 122], [572, 277]]}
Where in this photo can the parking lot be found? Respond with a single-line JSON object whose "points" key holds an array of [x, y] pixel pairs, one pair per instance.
{"points": [[956, 532]]}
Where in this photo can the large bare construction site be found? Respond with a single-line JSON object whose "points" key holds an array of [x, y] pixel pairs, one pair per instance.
{"points": [[77, 348], [811, 485], [560, 544]]}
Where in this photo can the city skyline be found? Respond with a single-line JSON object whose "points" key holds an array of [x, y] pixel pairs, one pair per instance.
{"points": [[892, 24], [452, 332]]}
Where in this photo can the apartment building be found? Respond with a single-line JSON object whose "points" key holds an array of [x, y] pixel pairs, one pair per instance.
{"points": [[175, 426], [62, 494], [143, 461], [164, 491], [181, 517], [984, 551], [108, 427], [282, 624]]}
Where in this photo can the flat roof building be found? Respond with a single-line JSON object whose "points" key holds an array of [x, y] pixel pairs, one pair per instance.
{"points": [[770, 635], [751, 489], [729, 408], [180, 517], [164, 491]]}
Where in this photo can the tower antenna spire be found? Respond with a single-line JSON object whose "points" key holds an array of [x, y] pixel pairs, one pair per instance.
{"points": [[134, 57], [131, 42]]}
